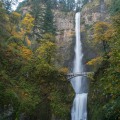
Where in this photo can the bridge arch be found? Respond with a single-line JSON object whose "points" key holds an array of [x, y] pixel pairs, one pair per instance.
{"points": [[73, 75]]}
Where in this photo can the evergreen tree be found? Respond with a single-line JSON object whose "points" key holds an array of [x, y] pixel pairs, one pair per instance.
{"points": [[48, 25], [67, 5], [38, 11], [54, 4], [115, 7]]}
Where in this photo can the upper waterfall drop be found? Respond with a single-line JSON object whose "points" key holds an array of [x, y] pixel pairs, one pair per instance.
{"points": [[78, 56], [79, 109]]}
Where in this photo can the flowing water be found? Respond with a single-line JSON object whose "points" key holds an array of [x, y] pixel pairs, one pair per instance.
{"points": [[79, 109]]}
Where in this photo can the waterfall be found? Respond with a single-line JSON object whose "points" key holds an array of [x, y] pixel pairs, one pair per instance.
{"points": [[90, 1], [79, 109]]}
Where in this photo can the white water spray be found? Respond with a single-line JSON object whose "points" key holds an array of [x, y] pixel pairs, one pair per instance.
{"points": [[79, 109]]}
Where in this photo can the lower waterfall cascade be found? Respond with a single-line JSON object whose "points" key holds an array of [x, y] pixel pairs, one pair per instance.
{"points": [[79, 108]]}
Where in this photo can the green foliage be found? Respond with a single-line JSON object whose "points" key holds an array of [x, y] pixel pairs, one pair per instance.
{"points": [[30, 82], [46, 51], [104, 93], [3, 21], [48, 26], [115, 7], [27, 23], [101, 30]]}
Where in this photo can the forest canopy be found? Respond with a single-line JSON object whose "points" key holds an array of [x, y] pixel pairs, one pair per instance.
{"points": [[30, 81]]}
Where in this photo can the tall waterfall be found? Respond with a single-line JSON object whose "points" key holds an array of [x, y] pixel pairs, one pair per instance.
{"points": [[79, 109]]}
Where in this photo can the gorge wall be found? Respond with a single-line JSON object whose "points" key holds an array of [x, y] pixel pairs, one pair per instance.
{"points": [[65, 36], [92, 12]]}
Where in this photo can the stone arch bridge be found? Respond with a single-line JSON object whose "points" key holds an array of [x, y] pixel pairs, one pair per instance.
{"points": [[84, 74]]}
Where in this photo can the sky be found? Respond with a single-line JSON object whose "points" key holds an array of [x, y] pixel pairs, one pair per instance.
{"points": [[15, 6]]}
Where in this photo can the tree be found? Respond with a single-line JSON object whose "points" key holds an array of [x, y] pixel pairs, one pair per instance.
{"points": [[100, 31], [46, 52], [38, 12], [105, 86], [30, 82], [102, 37], [115, 7], [27, 23], [48, 25], [3, 22]]}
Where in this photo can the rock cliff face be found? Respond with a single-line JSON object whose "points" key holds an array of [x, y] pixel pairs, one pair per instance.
{"points": [[92, 12], [65, 36]]}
